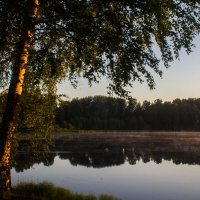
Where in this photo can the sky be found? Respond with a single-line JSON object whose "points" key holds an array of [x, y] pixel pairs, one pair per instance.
{"points": [[181, 80]]}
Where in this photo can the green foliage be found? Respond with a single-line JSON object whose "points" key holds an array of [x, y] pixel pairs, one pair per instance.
{"points": [[49, 191], [114, 39], [35, 120], [107, 113], [36, 113]]}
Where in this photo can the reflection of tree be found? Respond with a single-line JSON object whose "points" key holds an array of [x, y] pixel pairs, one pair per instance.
{"points": [[95, 159], [5, 178], [92, 152], [26, 160]]}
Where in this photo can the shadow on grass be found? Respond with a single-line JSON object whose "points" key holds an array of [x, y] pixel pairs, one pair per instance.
{"points": [[47, 191]]}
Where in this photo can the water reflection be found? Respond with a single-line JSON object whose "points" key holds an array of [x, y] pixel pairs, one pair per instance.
{"points": [[99, 152], [122, 165]]}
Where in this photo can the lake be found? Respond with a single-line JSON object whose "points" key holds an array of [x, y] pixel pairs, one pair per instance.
{"points": [[140, 166]]}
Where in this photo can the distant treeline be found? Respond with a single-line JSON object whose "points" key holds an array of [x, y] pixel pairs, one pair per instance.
{"points": [[108, 113]]}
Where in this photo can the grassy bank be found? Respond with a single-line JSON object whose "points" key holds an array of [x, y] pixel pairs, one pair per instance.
{"points": [[47, 191]]}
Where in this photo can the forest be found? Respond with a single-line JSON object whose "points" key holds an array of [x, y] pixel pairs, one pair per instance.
{"points": [[109, 113]]}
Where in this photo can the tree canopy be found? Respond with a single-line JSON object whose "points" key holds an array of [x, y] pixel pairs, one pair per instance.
{"points": [[114, 39]]}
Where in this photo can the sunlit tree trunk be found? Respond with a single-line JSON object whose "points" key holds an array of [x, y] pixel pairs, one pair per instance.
{"points": [[14, 93]]}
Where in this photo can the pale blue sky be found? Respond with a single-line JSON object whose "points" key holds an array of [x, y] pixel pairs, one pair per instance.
{"points": [[181, 80]]}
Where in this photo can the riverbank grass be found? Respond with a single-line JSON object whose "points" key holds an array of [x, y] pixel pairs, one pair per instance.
{"points": [[47, 191]]}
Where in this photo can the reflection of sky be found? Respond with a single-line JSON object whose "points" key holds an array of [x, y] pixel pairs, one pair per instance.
{"points": [[149, 181], [182, 80]]}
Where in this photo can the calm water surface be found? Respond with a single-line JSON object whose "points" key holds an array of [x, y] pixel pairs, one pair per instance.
{"points": [[125, 167]]}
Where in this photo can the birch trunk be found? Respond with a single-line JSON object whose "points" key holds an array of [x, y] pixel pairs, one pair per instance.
{"points": [[14, 93]]}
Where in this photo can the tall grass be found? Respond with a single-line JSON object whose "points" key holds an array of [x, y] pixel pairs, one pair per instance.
{"points": [[47, 191]]}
